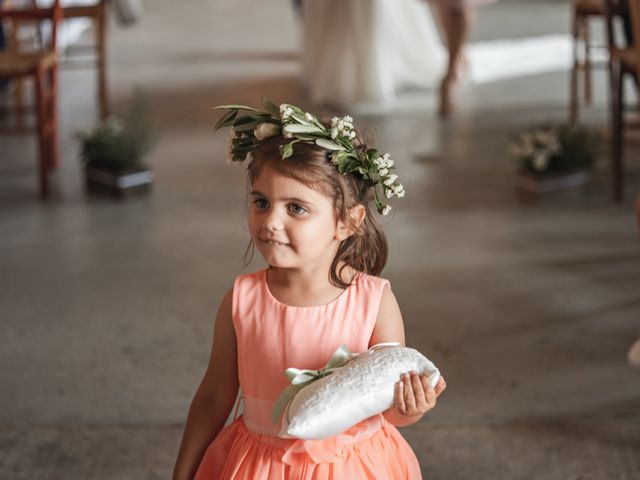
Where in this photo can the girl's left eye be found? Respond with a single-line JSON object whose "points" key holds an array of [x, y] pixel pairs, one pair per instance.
{"points": [[297, 209], [261, 203]]}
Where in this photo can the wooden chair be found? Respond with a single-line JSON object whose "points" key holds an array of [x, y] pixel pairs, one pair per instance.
{"points": [[41, 67], [97, 13], [74, 56], [583, 12], [624, 62]]}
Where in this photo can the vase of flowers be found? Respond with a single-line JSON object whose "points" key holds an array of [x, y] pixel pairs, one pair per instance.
{"points": [[112, 153], [551, 157]]}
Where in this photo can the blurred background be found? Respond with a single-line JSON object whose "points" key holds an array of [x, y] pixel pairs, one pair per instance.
{"points": [[521, 284]]}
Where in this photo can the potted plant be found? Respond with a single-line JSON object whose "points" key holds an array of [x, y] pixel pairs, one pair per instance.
{"points": [[112, 153], [551, 157]]}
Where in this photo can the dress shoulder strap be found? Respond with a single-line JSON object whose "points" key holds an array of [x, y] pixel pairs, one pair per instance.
{"points": [[248, 294], [367, 295]]}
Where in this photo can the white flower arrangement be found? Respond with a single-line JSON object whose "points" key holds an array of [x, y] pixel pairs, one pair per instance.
{"points": [[547, 148], [293, 123]]}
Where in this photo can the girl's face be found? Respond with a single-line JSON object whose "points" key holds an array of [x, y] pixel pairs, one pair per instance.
{"points": [[292, 225]]}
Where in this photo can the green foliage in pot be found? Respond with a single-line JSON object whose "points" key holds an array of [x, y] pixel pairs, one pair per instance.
{"points": [[118, 143]]}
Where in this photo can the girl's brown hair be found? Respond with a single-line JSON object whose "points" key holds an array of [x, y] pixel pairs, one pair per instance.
{"points": [[364, 251]]}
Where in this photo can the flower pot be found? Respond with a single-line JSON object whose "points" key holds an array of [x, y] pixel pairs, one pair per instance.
{"points": [[543, 183], [118, 182]]}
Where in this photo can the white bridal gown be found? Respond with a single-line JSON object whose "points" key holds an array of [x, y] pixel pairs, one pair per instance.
{"points": [[367, 50]]}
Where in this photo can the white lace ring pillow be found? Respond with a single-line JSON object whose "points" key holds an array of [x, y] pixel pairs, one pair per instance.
{"points": [[363, 387]]}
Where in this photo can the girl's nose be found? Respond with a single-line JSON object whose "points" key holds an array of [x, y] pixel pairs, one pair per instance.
{"points": [[273, 223]]}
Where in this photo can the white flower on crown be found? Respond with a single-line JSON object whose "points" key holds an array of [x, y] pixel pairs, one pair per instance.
{"points": [[285, 111], [342, 127], [390, 180], [386, 210], [266, 130], [308, 117], [384, 163]]}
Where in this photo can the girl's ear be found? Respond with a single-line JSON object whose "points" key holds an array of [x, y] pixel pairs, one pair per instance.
{"points": [[345, 230]]}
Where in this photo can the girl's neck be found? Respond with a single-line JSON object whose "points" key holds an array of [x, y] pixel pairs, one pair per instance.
{"points": [[303, 287]]}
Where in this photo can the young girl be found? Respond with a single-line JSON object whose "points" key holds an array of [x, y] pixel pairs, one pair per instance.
{"points": [[311, 219]]}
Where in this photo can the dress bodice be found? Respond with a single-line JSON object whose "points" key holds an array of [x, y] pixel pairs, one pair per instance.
{"points": [[273, 336]]}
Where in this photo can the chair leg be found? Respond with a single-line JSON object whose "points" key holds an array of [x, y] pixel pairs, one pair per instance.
{"points": [[573, 88], [101, 43], [54, 150], [43, 157], [617, 130], [588, 95]]}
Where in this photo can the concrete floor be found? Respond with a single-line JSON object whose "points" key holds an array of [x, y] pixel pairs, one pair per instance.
{"points": [[527, 305]]}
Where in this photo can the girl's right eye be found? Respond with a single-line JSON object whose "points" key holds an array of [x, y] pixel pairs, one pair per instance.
{"points": [[261, 203]]}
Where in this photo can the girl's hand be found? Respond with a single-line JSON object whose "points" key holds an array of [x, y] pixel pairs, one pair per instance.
{"points": [[414, 396]]}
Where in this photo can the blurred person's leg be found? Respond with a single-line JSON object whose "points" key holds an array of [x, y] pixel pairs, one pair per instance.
{"points": [[456, 23]]}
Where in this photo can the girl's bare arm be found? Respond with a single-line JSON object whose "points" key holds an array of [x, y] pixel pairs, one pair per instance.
{"points": [[214, 398], [414, 398]]}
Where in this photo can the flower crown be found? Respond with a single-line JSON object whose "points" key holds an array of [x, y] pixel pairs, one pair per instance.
{"points": [[293, 123]]}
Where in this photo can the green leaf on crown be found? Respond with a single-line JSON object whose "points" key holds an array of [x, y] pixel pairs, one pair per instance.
{"points": [[270, 107], [304, 121], [287, 150], [226, 120], [243, 119], [247, 126], [328, 144], [293, 128], [236, 107], [261, 116], [349, 165], [307, 137], [372, 154]]}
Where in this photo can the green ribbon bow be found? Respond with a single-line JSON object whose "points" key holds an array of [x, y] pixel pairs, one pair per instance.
{"points": [[301, 378]]}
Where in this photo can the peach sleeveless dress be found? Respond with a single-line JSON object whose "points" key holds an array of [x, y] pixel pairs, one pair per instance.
{"points": [[272, 337]]}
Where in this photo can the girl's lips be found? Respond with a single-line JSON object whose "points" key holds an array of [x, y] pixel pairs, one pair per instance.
{"points": [[273, 242]]}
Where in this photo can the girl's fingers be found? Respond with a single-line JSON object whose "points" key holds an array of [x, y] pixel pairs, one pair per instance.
{"points": [[399, 394], [440, 386], [418, 390], [431, 397], [424, 380], [409, 399], [429, 393], [415, 395]]}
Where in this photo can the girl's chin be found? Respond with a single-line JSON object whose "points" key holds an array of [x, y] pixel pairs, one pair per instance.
{"points": [[276, 261]]}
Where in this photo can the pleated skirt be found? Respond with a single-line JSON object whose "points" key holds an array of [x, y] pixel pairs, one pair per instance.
{"points": [[237, 453]]}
